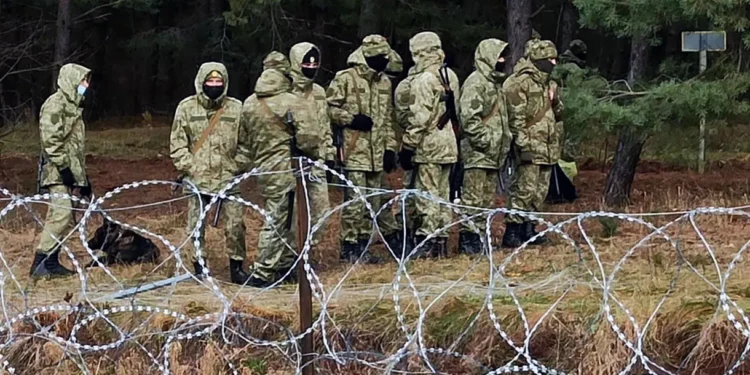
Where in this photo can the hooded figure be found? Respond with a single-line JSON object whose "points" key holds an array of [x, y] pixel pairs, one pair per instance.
{"points": [[62, 134], [205, 148], [428, 150], [534, 108], [277, 126], [360, 101], [395, 66], [305, 61], [486, 134]]}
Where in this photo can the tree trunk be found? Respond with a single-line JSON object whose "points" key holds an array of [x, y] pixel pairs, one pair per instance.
{"points": [[569, 25], [62, 41], [630, 143], [369, 18], [519, 29]]}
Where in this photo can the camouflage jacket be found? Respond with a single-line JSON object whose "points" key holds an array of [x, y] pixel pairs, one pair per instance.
{"points": [[484, 111], [61, 129], [401, 100], [306, 89], [533, 116], [360, 90], [264, 130], [431, 144], [215, 164]]}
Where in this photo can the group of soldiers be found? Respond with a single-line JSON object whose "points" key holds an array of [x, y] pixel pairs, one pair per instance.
{"points": [[427, 126]]}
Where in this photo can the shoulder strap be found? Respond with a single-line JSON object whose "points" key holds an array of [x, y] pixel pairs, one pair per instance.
{"points": [[277, 120], [356, 89], [211, 125]]}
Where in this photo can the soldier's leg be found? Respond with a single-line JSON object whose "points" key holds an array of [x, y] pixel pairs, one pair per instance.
{"points": [[233, 215], [319, 203], [387, 221], [431, 216], [542, 187], [193, 213], [58, 223], [523, 194], [473, 194], [353, 215], [273, 253]]}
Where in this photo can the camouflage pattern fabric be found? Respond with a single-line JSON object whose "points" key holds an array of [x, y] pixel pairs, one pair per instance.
{"points": [[484, 111], [402, 101], [430, 216], [218, 160], [269, 141], [315, 96], [388, 221], [361, 90], [431, 145], [62, 130], [356, 222], [529, 187], [58, 222], [532, 114], [232, 215], [479, 191]]}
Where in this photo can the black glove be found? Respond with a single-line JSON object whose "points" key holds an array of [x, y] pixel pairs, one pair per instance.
{"points": [[331, 165], [67, 177], [85, 191], [527, 157], [389, 161], [404, 157], [362, 123]]}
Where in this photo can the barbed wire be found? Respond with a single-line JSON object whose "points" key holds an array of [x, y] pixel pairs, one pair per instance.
{"points": [[414, 298]]}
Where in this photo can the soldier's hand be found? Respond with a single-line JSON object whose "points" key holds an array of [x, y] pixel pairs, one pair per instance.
{"points": [[551, 92], [362, 123], [67, 177], [527, 157], [331, 165], [389, 161], [405, 158]]}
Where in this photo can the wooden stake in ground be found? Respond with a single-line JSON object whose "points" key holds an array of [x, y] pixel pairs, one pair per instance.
{"points": [[305, 293]]}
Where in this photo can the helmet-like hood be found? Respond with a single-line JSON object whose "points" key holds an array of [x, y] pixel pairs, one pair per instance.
{"points": [[68, 80], [485, 58], [296, 55], [273, 80], [203, 74], [426, 50]]}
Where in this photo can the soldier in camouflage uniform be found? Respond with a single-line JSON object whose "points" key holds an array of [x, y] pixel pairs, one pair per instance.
{"points": [[360, 101], [62, 133], [305, 62], [486, 135], [534, 106], [426, 149], [272, 141], [209, 157]]}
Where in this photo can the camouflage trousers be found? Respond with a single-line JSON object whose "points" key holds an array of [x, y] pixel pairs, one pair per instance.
{"points": [[389, 223], [232, 215], [59, 221], [528, 189], [429, 216], [478, 191], [277, 239], [356, 221], [317, 192]]}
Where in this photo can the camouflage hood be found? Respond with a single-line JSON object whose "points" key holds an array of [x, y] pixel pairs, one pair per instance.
{"points": [[569, 57], [296, 54], [276, 60], [536, 50], [395, 65], [272, 82], [200, 78], [68, 80], [426, 51], [357, 61], [485, 58]]}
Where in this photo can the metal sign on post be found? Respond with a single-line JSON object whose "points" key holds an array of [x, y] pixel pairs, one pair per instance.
{"points": [[702, 42]]}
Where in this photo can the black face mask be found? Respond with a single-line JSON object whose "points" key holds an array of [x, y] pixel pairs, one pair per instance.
{"points": [[500, 66], [544, 66], [377, 63], [213, 92], [309, 72]]}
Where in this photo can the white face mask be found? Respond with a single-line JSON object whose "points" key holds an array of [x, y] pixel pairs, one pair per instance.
{"points": [[82, 90]]}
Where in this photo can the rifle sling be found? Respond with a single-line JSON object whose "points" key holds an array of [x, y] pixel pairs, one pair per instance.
{"points": [[277, 119], [206, 132]]}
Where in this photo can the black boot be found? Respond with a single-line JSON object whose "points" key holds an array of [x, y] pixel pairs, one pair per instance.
{"points": [[469, 243], [349, 250], [257, 282], [237, 275], [439, 248], [364, 254], [198, 271], [396, 243], [424, 250], [290, 279], [513, 236], [49, 266], [529, 232]]}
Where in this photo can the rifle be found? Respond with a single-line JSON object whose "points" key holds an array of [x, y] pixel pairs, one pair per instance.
{"points": [[457, 169], [294, 152], [338, 142], [39, 166]]}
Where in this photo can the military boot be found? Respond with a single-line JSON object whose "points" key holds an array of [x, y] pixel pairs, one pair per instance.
{"points": [[396, 243], [237, 275], [513, 236], [198, 271], [349, 250], [424, 249], [529, 232], [439, 248], [469, 243], [48, 266], [364, 254], [291, 277]]}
